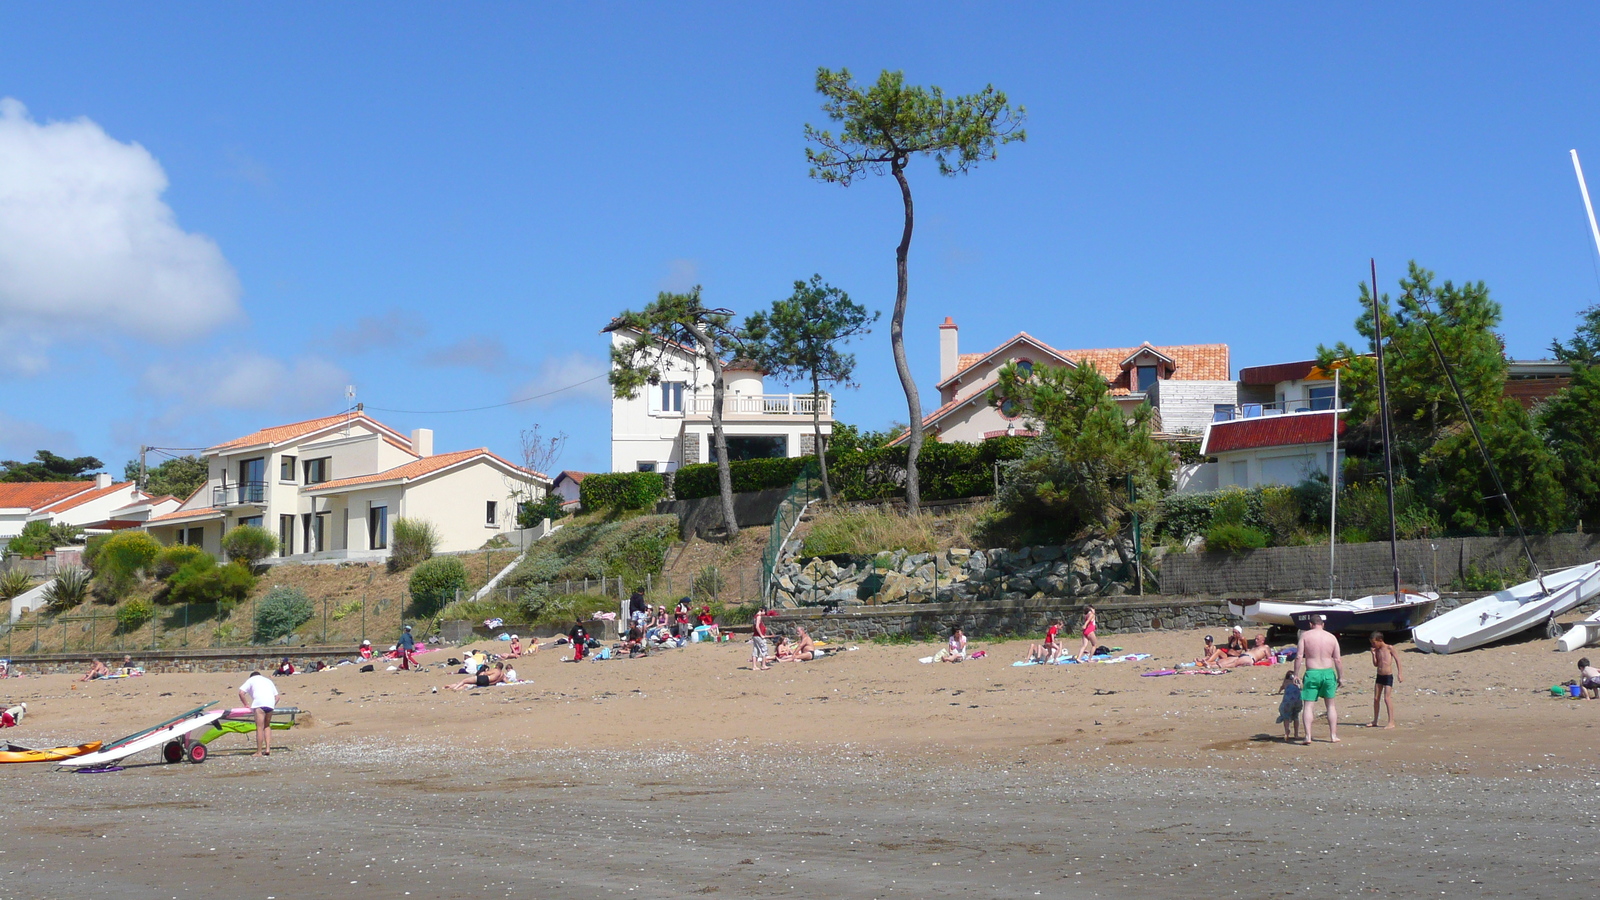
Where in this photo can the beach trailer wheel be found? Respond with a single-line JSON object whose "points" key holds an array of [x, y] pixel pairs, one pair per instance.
{"points": [[197, 752], [1553, 629], [172, 751]]}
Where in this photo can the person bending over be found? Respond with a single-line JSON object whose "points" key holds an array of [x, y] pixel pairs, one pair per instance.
{"points": [[1588, 679]]}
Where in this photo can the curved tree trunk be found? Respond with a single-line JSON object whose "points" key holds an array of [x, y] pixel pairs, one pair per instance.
{"points": [[719, 440], [897, 341], [816, 428]]}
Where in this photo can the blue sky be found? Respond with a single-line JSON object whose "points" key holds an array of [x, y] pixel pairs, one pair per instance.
{"points": [[442, 204]]}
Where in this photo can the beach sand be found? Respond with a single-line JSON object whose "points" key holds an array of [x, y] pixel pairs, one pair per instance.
{"points": [[863, 775]]}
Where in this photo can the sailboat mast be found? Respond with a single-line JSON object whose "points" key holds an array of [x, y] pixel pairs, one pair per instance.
{"points": [[1333, 487], [1584, 188], [1383, 414]]}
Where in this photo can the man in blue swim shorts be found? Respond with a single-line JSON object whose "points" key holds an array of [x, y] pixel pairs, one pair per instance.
{"points": [[1321, 671]]}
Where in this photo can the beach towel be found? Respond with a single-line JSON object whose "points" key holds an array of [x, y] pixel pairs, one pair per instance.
{"points": [[1024, 662], [1158, 673], [494, 623]]}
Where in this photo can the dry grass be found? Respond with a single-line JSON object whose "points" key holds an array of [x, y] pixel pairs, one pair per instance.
{"points": [[865, 530]]}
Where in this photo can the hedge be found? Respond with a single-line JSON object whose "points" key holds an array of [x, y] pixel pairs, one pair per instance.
{"points": [[700, 480], [434, 582], [621, 490]]}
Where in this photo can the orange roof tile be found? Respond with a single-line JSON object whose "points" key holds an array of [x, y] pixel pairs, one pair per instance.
{"points": [[1192, 362], [277, 434], [427, 465], [202, 513], [85, 497], [38, 494]]}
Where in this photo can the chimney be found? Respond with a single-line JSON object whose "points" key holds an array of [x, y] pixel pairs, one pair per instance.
{"points": [[102, 480], [949, 356], [422, 441]]}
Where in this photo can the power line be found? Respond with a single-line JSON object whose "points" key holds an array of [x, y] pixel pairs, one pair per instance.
{"points": [[440, 412]]}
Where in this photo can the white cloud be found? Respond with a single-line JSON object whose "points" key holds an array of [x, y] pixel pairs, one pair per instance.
{"points": [[583, 376], [473, 352], [87, 243], [251, 381]]}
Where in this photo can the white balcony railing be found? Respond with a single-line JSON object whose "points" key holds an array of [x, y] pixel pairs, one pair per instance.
{"points": [[764, 405]]}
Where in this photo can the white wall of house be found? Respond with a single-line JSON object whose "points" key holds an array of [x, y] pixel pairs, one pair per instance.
{"points": [[96, 510], [1272, 466], [457, 503], [1188, 406], [645, 427]]}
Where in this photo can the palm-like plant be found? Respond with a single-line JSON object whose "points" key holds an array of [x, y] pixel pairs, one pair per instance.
{"points": [[69, 589]]}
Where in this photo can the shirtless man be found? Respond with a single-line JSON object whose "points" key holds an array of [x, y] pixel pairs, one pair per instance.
{"points": [[1387, 663], [98, 670], [1259, 652], [1321, 671]]}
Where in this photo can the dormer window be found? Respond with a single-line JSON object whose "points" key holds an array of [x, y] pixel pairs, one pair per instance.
{"points": [[1146, 378]]}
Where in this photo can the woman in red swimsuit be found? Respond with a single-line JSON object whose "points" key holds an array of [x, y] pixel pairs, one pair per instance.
{"points": [[1087, 650]]}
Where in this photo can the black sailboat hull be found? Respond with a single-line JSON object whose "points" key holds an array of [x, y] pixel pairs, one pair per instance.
{"points": [[1393, 617]]}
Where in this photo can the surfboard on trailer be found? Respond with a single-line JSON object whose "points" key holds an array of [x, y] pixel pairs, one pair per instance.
{"points": [[155, 736], [16, 754]]}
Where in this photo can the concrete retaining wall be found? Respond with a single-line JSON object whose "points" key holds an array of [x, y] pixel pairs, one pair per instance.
{"points": [[704, 514], [1361, 568]]}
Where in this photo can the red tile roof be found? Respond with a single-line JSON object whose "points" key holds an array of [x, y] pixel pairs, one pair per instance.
{"points": [[277, 434], [574, 477], [1270, 431], [427, 465], [1191, 362], [38, 494], [77, 500], [207, 512]]}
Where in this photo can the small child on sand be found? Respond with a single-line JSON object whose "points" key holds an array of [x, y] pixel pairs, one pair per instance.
{"points": [[1289, 707], [1589, 679]]}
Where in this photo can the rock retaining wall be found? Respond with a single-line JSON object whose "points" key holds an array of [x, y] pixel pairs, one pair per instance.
{"points": [[1091, 568], [989, 618]]}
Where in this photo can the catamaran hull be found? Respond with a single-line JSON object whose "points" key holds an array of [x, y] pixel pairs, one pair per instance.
{"points": [[1580, 635], [1280, 612], [1508, 612]]}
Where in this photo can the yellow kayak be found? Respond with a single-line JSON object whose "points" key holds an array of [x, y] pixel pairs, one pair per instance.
{"points": [[15, 754]]}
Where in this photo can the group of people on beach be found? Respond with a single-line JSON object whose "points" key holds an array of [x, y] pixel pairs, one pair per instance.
{"points": [[767, 648], [1318, 674], [1051, 650]]}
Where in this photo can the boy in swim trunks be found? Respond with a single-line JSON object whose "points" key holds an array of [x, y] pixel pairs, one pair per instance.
{"points": [[1321, 671], [1388, 666]]}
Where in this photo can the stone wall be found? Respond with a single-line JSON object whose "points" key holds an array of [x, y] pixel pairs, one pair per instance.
{"points": [[236, 659], [1120, 616], [1361, 568], [1089, 568], [704, 514]]}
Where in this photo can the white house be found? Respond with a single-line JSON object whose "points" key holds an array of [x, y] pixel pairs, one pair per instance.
{"points": [[85, 504], [331, 488], [668, 424], [1185, 384], [1279, 433], [567, 486]]}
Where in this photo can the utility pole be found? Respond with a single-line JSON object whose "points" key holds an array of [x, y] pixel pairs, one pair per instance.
{"points": [[143, 472]]}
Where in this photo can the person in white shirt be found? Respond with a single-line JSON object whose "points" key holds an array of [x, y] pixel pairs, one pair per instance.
{"points": [[260, 694]]}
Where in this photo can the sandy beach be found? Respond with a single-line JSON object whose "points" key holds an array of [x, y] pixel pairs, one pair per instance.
{"points": [[863, 775]]}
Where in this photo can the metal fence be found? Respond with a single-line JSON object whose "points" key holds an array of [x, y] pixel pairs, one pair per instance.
{"points": [[807, 487]]}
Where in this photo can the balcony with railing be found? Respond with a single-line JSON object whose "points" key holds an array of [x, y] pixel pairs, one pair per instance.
{"points": [[240, 493], [1227, 413], [758, 405]]}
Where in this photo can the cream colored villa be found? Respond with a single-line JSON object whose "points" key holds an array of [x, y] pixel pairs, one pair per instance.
{"points": [[668, 424], [1185, 384], [331, 488]]}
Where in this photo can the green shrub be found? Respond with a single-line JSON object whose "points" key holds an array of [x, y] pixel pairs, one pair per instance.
{"points": [[621, 490], [708, 584], [39, 537], [1228, 537], [280, 612], [1280, 511], [434, 583], [700, 480], [945, 471], [1488, 578], [91, 549], [14, 582], [201, 580], [348, 609], [531, 513], [414, 541], [249, 544], [70, 587], [173, 558], [630, 549], [120, 560], [561, 610], [132, 615]]}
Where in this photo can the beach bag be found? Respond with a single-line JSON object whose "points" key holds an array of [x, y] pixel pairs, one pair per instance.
{"points": [[367, 667]]}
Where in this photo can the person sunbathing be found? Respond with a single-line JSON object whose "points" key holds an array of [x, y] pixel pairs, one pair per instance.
{"points": [[484, 678], [98, 670], [1258, 654], [1213, 655], [516, 647], [956, 650]]}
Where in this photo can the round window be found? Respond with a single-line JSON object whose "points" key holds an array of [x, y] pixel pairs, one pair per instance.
{"points": [[1025, 366], [1010, 408]]}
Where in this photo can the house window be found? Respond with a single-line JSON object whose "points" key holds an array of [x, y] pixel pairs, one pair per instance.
{"points": [[1025, 367], [672, 396], [757, 447], [253, 480], [192, 536], [250, 520], [1222, 412], [1146, 376], [286, 533], [378, 527], [489, 517], [286, 469], [643, 466], [1322, 397], [316, 470], [1010, 408]]}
